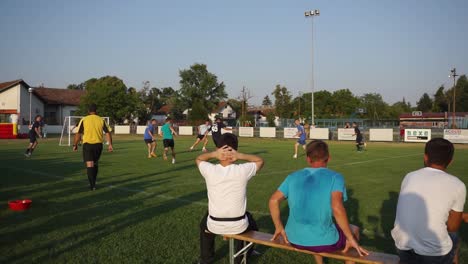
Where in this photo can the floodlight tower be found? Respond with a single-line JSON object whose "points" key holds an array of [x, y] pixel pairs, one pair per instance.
{"points": [[454, 75], [311, 14]]}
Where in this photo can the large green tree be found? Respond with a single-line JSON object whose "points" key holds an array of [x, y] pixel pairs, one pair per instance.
{"points": [[344, 103], [110, 95], [198, 84], [266, 101], [462, 94], [282, 101], [440, 101], [425, 103], [375, 106]]}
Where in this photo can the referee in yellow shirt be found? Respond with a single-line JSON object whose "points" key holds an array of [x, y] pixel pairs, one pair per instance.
{"points": [[92, 127]]}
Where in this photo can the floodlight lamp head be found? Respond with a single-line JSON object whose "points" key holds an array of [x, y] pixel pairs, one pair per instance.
{"points": [[307, 13], [30, 89], [317, 12]]}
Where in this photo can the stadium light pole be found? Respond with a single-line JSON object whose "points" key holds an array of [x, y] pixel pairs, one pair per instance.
{"points": [[30, 90], [311, 14], [454, 75]]}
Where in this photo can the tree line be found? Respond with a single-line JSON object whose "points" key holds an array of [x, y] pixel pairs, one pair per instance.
{"points": [[200, 92]]}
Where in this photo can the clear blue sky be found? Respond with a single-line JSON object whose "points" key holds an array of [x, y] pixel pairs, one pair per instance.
{"points": [[397, 48]]}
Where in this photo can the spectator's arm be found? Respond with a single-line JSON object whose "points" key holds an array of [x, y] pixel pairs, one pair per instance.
{"points": [[341, 218], [274, 205], [465, 217], [454, 220], [247, 157]]}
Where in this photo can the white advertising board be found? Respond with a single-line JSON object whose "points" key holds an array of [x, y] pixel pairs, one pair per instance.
{"points": [[456, 135], [346, 134], [381, 134], [290, 132], [319, 133], [226, 131], [417, 135], [122, 130], [268, 132], [141, 130], [246, 132], [185, 130]]}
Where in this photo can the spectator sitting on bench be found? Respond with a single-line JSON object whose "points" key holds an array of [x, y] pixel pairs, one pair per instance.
{"points": [[315, 194], [226, 185], [430, 209]]}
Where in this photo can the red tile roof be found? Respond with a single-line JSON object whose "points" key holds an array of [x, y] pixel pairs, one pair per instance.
{"points": [[59, 96], [6, 85]]}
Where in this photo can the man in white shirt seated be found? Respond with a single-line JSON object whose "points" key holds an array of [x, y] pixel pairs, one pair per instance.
{"points": [[430, 208], [226, 185]]}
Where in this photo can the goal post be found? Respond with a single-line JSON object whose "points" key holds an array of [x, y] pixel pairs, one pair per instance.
{"points": [[69, 128]]}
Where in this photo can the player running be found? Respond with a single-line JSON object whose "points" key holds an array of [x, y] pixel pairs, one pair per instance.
{"points": [[216, 131], [34, 132], [302, 137], [202, 135], [168, 133], [359, 141], [150, 138]]}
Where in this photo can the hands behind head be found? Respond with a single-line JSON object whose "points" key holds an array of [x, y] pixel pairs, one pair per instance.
{"points": [[227, 153]]}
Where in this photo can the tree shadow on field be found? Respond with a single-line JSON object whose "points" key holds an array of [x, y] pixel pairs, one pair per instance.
{"points": [[97, 217], [383, 240]]}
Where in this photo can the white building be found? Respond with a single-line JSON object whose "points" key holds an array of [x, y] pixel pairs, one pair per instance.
{"points": [[20, 101], [223, 110]]}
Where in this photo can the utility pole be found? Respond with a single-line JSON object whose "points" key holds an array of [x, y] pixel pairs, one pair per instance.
{"points": [[454, 75]]}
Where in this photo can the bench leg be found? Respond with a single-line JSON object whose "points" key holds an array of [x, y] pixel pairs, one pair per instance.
{"points": [[231, 251], [233, 255]]}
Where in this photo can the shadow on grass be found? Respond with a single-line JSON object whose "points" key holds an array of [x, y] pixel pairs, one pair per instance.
{"points": [[94, 220], [383, 240]]}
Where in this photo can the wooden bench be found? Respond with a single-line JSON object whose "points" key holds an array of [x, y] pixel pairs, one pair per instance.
{"points": [[255, 237]]}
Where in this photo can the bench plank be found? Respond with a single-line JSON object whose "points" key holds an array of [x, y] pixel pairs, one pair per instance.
{"points": [[352, 255]]}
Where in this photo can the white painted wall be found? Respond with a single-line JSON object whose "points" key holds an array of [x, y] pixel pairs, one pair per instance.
{"points": [[185, 130], [246, 132], [122, 130], [268, 132], [141, 130], [9, 98], [380, 134], [319, 133]]}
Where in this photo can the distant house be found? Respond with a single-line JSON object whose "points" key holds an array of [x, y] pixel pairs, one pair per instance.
{"points": [[15, 102], [19, 99], [223, 110], [58, 103], [418, 119]]}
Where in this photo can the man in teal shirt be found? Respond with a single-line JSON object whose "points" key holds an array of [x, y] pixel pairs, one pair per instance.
{"points": [[167, 133], [315, 196]]}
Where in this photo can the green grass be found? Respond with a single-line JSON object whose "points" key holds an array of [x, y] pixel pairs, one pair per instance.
{"points": [[148, 210]]}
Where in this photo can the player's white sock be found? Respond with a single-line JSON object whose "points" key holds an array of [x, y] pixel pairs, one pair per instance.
{"points": [[295, 156], [173, 161]]}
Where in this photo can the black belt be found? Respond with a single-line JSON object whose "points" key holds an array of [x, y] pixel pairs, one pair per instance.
{"points": [[227, 219]]}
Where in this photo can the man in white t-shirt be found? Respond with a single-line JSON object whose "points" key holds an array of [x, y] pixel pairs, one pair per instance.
{"points": [[430, 208], [226, 185]]}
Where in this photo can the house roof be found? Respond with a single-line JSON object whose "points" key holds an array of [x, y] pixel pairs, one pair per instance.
{"points": [[220, 107], [431, 115], [165, 109], [59, 96], [6, 85]]}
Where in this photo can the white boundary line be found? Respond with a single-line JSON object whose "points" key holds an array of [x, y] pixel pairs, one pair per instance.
{"points": [[345, 164]]}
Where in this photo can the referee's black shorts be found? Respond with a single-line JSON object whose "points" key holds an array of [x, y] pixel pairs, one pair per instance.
{"points": [[32, 137], [359, 138], [217, 141], [92, 152]]}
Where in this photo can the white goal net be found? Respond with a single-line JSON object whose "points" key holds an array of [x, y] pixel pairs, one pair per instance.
{"points": [[70, 127]]}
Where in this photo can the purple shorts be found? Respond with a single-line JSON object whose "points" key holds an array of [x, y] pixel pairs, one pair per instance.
{"points": [[339, 245]]}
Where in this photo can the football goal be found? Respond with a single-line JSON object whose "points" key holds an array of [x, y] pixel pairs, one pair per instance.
{"points": [[70, 127]]}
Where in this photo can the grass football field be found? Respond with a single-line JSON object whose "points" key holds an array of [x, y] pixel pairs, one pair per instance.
{"points": [[148, 210]]}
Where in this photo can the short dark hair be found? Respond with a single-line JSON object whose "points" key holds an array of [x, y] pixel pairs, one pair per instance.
{"points": [[317, 150], [229, 140], [168, 119], [439, 151], [153, 120], [92, 108]]}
